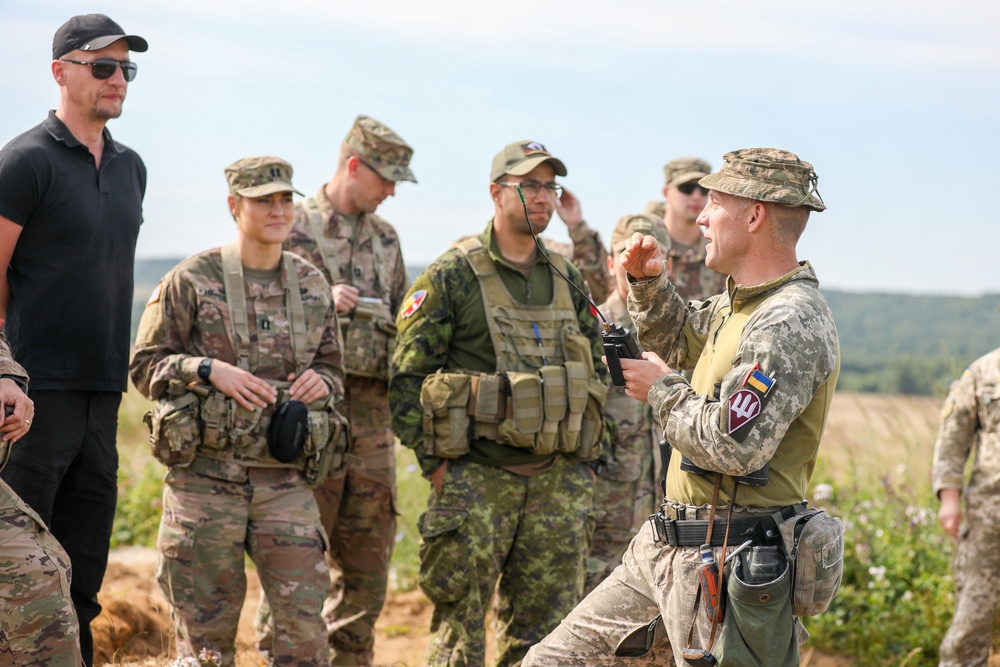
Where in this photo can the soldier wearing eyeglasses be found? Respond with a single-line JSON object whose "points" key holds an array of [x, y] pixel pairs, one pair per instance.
{"points": [[70, 211], [358, 251], [494, 388]]}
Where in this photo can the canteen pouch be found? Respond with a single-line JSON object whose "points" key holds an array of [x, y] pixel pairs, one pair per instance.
{"points": [[526, 409], [445, 399], [554, 403], [287, 432], [326, 445], [759, 597], [174, 435], [369, 340], [814, 544]]}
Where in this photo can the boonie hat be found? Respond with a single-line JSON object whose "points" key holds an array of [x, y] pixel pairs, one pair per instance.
{"points": [[90, 32], [643, 223], [685, 169], [520, 157], [381, 148], [767, 174], [258, 176]]}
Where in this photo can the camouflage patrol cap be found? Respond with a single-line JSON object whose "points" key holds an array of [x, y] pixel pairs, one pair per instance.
{"points": [[684, 169], [643, 223], [381, 148], [257, 176], [767, 174], [520, 157]]}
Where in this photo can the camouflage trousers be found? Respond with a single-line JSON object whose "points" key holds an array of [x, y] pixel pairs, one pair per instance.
{"points": [[624, 497], [526, 538], [38, 624], [207, 526], [358, 510], [977, 594]]}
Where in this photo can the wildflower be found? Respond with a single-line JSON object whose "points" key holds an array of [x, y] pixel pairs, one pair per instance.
{"points": [[877, 572], [823, 492]]}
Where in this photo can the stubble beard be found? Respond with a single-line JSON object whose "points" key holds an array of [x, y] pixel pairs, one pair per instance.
{"points": [[104, 113]]}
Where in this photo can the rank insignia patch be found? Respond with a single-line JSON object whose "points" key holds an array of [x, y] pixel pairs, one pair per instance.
{"points": [[413, 303], [744, 406]]}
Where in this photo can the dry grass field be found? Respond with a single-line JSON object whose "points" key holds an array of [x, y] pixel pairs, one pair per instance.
{"points": [[868, 436]]}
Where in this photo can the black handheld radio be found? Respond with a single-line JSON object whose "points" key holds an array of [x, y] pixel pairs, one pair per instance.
{"points": [[619, 343]]}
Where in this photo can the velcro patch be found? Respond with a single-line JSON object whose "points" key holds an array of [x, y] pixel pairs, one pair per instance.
{"points": [[533, 148], [154, 297], [413, 303], [744, 407]]}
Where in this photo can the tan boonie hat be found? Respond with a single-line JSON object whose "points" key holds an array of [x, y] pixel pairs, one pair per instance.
{"points": [[645, 224], [767, 174], [684, 169], [381, 148], [257, 176], [520, 157]]}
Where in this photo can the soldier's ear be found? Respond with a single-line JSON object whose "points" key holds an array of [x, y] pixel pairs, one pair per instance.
{"points": [[495, 191]]}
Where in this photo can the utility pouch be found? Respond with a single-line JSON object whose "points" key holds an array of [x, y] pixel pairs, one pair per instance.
{"points": [[814, 544], [173, 429], [445, 399], [326, 445], [369, 340], [592, 424], [759, 630], [244, 431], [554, 404], [526, 411], [214, 415], [577, 378]]}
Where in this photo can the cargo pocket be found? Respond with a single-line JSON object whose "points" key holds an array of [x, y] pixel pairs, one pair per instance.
{"points": [[444, 555], [175, 565], [759, 599]]}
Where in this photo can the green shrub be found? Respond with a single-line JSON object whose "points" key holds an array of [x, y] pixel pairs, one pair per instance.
{"points": [[411, 501], [140, 490]]}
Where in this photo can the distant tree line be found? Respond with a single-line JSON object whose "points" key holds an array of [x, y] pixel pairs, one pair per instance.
{"points": [[889, 343]]}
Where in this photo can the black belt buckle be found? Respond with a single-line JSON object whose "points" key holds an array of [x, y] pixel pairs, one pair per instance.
{"points": [[659, 534]]}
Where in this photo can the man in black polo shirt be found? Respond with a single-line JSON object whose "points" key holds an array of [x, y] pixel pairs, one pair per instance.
{"points": [[70, 210]]}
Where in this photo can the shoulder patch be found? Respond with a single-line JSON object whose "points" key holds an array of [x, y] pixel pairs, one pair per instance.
{"points": [[155, 296], [413, 303], [746, 403]]}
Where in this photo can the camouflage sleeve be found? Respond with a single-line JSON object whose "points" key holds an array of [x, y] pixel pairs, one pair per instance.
{"points": [[301, 242], [591, 258], [7, 364], [959, 422], [424, 336], [329, 359], [163, 340], [400, 282], [793, 339], [666, 325]]}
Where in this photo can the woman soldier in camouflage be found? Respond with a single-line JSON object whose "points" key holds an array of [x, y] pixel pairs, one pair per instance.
{"points": [[238, 345]]}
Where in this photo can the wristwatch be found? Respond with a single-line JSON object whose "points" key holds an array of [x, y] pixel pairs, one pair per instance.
{"points": [[205, 369]]}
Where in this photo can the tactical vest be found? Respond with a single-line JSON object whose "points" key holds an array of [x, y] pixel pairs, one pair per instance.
{"points": [[199, 419], [544, 396], [369, 334]]}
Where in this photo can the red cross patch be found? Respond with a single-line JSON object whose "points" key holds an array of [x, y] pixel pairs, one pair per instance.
{"points": [[744, 406]]}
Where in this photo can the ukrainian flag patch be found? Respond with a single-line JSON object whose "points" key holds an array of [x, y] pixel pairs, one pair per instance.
{"points": [[757, 380]]}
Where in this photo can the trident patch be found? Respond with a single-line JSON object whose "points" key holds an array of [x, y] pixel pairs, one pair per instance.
{"points": [[746, 403]]}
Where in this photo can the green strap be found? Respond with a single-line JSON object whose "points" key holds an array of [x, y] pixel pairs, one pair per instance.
{"points": [[325, 245], [236, 302]]}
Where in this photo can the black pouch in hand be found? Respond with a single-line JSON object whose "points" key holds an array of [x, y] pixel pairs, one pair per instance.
{"points": [[286, 434]]}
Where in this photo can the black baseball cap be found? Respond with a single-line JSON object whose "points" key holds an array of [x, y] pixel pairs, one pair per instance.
{"points": [[90, 32]]}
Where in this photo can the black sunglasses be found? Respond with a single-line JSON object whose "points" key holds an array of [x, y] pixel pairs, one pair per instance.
{"points": [[104, 68], [689, 187]]}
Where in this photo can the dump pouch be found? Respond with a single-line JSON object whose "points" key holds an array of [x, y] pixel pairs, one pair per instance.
{"points": [[445, 399], [288, 431], [526, 413], [369, 340], [814, 543], [174, 435]]}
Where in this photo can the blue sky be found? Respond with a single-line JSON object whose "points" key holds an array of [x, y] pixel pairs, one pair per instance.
{"points": [[894, 102]]}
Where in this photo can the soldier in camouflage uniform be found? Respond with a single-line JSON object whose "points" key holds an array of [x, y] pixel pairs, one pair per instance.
{"points": [[627, 491], [684, 200], [358, 252], [971, 416], [38, 624], [765, 360], [494, 388], [228, 337]]}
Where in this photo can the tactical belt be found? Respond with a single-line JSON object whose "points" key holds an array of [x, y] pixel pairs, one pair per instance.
{"points": [[672, 525]]}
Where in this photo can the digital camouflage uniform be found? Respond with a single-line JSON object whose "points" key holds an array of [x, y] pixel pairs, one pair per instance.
{"points": [[783, 329], [627, 491], [970, 418], [358, 506], [239, 499], [38, 624], [505, 514]]}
